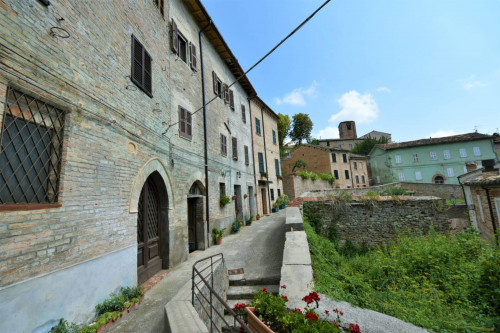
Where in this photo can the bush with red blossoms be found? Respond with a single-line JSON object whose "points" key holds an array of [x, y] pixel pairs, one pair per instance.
{"points": [[354, 328]]}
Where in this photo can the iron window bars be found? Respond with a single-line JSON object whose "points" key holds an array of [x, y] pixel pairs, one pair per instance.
{"points": [[30, 151]]}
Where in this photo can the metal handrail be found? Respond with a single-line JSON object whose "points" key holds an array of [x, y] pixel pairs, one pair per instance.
{"points": [[197, 273]]}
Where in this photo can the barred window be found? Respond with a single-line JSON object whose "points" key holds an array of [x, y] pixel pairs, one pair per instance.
{"points": [[31, 150]]}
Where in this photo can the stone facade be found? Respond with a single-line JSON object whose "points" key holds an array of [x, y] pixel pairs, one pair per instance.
{"points": [[265, 143], [374, 222], [116, 138], [349, 170], [294, 186]]}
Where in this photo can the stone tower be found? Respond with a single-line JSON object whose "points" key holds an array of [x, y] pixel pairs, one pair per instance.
{"points": [[347, 130]]}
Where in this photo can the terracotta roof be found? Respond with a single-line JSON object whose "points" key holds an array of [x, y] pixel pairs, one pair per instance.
{"points": [[434, 141], [485, 179], [259, 100]]}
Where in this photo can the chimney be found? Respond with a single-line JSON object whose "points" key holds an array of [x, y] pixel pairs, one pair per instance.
{"points": [[471, 166]]}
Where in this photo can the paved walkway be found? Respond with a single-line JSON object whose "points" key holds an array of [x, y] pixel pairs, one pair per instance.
{"points": [[258, 249]]}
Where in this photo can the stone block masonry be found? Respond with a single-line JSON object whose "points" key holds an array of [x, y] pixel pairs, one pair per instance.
{"points": [[372, 222]]}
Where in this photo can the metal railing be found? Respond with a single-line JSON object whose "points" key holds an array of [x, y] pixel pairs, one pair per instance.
{"points": [[213, 298]]}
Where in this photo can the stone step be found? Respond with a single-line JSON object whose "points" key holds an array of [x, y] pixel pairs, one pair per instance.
{"points": [[246, 292], [271, 280]]}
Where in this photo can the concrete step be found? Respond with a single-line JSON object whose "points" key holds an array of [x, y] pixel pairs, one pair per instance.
{"points": [[246, 292], [271, 280]]}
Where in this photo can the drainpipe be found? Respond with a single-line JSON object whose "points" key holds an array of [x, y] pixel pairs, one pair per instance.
{"points": [[491, 213], [253, 155], [205, 133], [265, 156]]}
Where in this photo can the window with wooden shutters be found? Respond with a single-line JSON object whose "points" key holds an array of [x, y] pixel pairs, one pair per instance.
{"points": [[274, 137], [235, 148], [334, 158], [247, 159], [231, 99], [185, 123], [30, 151], [223, 145], [261, 162], [257, 126], [346, 174], [272, 194], [217, 84], [243, 114], [141, 67], [193, 57], [277, 165], [336, 174], [225, 93], [161, 6]]}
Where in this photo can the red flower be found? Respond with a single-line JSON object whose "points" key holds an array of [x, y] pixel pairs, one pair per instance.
{"points": [[308, 299], [297, 310], [327, 312], [312, 316], [264, 290], [239, 307], [354, 328], [341, 313], [314, 296], [283, 286], [285, 298]]}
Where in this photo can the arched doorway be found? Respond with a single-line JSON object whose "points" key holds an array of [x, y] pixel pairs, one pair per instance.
{"points": [[438, 179], [152, 228], [196, 224]]}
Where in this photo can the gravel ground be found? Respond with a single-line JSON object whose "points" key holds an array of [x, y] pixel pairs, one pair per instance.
{"points": [[369, 321]]}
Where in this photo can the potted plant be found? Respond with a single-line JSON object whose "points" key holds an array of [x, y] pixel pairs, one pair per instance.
{"points": [[218, 235], [264, 175], [257, 217], [233, 197], [249, 219], [245, 196], [224, 200], [236, 226], [284, 201], [276, 206]]}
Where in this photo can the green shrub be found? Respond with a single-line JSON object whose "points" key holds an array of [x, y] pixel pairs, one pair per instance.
{"points": [[328, 177], [64, 327], [345, 196], [445, 283], [394, 190], [235, 227]]}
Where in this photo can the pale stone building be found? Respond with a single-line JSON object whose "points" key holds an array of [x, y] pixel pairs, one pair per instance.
{"points": [[108, 155], [266, 155]]}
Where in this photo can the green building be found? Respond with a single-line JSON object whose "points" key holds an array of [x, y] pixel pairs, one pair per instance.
{"points": [[439, 160]]}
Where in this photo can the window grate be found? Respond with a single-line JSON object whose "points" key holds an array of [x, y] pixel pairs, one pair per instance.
{"points": [[31, 150]]}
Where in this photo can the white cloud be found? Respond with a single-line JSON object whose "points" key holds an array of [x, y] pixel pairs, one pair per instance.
{"points": [[297, 97], [472, 82], [361, 108], [384, 89], [441, 133], [328, 132]]}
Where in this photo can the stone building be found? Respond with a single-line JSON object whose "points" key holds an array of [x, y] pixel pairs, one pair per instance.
{"points": [[482, 195], [350, 170], [108, 153], [348, 137], [266, 155]]}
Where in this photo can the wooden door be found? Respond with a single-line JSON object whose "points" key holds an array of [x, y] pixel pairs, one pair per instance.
{"points": [[192, 224], [148, 232], [264, 201]]}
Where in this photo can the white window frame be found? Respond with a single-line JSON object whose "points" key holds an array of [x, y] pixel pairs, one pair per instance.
{"points": [[415, 157], [401, 177], [477, 151], [378, 179], [433, 155], [398, 159], [446, 154], [418, 175], [451, 172], [463, 152]]}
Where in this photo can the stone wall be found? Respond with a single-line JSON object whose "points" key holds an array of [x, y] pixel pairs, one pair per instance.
{"points": [[373, 222], [295, 186]]}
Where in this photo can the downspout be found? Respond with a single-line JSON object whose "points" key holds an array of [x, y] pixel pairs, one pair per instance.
{"points": [[491, 213], [253, 157], [205, 133], [265, 156]]}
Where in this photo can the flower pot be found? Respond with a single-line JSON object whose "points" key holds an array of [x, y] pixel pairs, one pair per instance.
{"points": [[233, 197], [282, 207], [275, 210], [255, 324], [218, 241]]}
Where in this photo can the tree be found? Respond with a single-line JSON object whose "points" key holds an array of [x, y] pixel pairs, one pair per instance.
{"points": [[299, 164], [365, 146], [301, 128], [283, 128]]}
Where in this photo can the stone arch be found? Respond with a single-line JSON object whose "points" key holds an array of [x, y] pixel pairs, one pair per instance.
{"points": [[144, 172], [438, 178]]}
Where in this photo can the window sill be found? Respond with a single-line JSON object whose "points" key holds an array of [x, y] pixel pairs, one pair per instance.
{"points": [[18, 207]]}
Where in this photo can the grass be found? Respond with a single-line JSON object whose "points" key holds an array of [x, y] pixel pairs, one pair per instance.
{"points": [[445, 283]]}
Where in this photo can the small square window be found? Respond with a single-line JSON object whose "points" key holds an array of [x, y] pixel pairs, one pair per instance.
{"points": [[398, 159], [446, 154], [401, 177], [477, 151], [463, 152], [433, 155]]}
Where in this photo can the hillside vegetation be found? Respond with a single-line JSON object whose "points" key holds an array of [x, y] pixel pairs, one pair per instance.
{"points": [[445, 283]]}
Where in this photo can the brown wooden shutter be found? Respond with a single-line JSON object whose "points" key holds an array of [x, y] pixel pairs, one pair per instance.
{"points": [[247, 162], [231, 99], [193, 57], [182, 121], [148, 84], [243, 115], [175, 38], [225, 93], [223, 144], [137, 61], [189, 126], [235, 148], [216, 87]]}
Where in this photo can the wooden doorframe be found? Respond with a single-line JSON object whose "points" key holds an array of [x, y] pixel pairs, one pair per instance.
{"points": [[263, 194]]}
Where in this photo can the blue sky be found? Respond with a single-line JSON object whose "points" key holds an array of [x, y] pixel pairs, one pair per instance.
{"points": [[410, 68]]}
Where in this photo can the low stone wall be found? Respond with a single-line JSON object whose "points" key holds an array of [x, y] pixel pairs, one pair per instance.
{"points": [[294, 186], [373, 222]]}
